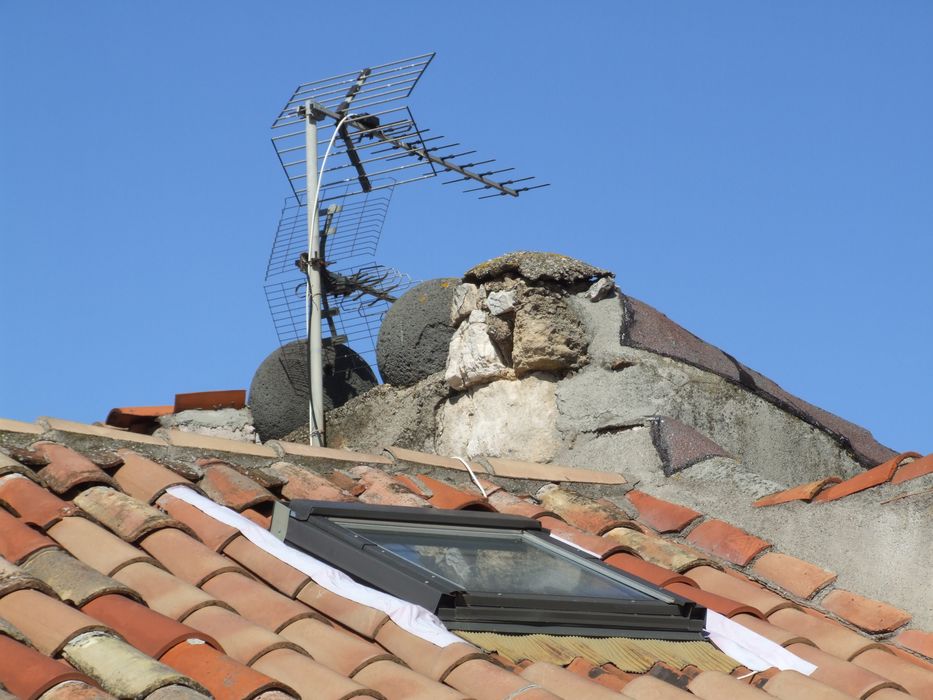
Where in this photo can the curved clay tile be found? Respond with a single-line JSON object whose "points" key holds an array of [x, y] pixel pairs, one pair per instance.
{"points": [[841, 675], [722, 605], [67, 469], [14, 578], [480, 678], [125, 516], [792, 685], [28, 674], [507, 503], [309, 678], [73, 581], [227, 486], [660, 514], [743, 591], [225, 678], [149, 631], [654, 574], [657, 550], [95, 546], [144, 479], [650, 688], [916, 680], [799, 577], [257, 602], [241, 639], [873, 616], [163, 592], [211, 532], [47, 622], [275, 572], [770, 631], [452, 498], [362, 619], [186, 557], [715, 685], [565, 683], [866, 480], [18, 541], [599, 546], [588, 514], [396, 681], [914, 470], [829, 636], [301, 482], [32, 503], [427, 659], [726, 541], [334, 647]]}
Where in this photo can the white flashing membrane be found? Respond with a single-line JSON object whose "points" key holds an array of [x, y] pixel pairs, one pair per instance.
{"points": [[750, 648], [410, 617]]}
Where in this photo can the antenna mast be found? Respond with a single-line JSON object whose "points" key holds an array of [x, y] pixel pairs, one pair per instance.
{"points": [[374, 149]]}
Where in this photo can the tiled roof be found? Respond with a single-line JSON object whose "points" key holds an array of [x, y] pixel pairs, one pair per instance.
{"points": [[109, 582]]}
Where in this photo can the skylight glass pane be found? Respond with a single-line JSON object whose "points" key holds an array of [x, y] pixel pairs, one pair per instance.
{"points": [[480, 562]]}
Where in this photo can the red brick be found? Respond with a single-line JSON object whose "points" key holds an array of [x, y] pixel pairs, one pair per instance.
{"points": [[870, 615], [726, 541]]}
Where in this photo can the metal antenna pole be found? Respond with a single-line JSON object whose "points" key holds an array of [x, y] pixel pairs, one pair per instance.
{"points": [[313, 289]]}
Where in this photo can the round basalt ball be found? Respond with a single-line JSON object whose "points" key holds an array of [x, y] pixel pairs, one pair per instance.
{"points": [[278, 394], [416, 333]]}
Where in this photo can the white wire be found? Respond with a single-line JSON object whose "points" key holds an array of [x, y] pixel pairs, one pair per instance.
{"points": [[475, 480]]}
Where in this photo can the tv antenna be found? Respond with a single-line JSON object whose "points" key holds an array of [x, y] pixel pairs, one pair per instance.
{"points": [[344, 142]]}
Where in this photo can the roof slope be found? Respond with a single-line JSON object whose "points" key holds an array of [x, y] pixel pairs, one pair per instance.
{"points": [[107, 579]]}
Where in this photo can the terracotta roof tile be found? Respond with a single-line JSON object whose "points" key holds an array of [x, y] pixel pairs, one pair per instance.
{"points": [[915, 680], [722, 605], [396, 681], [186, 557], [28, 673], [613, 681], [8, 465], [19, 541], [600, 546], [72, 580], [47, 622], [309, 678], [446, 496], [76, 690], [657, 575], [727, 541], [867, 614], [231, 488], [241, 639], [716, 685], [163, 592], [144, 479], [147, 630], [210, 400], [657, 550], [359, 618], [121, 669], [273, 571], [766, 629], [917, 640], [427, 659], [792, 685], [263, 518], [841, 675], [829, 636], [304, 483], [223, 677], [123, 515], [763, 600], [914, 470], [565, 683], [383, 489], [802, 492], [95, 546], [32, 503], [212, 533], [336, 648], [660, 514], [866, 480], [801, 578], [508, 503], [67, 469], [257, 602], [13, 578], [588, 514], [483, 680]]}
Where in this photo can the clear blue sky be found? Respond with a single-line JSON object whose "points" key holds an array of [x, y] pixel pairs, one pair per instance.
{"points": [[761, 172]]}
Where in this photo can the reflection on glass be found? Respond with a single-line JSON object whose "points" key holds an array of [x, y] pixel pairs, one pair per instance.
{"points": [[509, 563]]}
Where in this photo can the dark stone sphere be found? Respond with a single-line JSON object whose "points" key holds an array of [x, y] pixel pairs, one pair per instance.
{"points": [[278, 394], [416, 332]]}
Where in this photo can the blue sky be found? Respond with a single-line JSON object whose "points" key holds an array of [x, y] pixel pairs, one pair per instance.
{"points": [[761, 172]]}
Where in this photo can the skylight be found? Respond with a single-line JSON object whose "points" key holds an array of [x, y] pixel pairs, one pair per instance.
{"points": [[487, 571]]}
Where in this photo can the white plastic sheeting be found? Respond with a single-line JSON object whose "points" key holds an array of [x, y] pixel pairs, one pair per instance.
{"points": [[750, 648]]}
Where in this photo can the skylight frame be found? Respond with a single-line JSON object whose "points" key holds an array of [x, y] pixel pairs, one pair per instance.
{"points": [[318, 528]]}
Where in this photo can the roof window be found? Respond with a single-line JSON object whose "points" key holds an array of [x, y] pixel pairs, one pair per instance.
{"points": [[481, 571]]}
